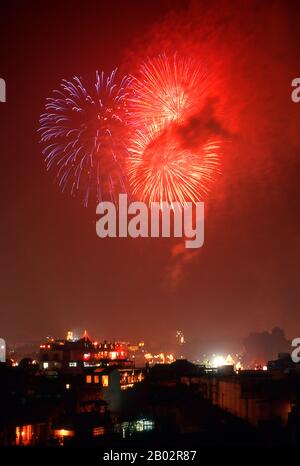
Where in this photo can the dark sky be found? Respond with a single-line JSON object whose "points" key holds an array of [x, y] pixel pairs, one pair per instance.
{"points": [[56, 274]]}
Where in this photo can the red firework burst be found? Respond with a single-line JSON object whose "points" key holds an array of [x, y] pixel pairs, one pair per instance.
{"points": [[161, 169], [165, 89], [174, 156]]}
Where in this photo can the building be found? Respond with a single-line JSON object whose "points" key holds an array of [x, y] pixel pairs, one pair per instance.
{"points": [[252, 395], [38, 408], [170, 375], [71, 355], [284, 363], [107, 379]]}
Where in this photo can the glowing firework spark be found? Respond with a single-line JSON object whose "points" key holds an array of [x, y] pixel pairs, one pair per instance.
{"points": [[165, 89], [168, 102], [84, 130], [161, 169]]}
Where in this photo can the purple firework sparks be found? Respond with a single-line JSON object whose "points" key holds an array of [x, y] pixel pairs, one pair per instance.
{"points": [[85, 132]]}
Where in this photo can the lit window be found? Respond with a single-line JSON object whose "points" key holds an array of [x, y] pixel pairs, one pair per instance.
{"points": [[63, 433], [45, 365], [148, 425], [88, 379], [96, 379], [98, 431], [105, 380], [72, 364], [24, 435], [68, 386]]}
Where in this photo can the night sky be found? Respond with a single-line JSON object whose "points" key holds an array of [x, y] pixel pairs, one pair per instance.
{"points": [[56, 274]]}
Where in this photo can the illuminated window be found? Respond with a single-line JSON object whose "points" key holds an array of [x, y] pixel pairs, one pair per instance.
{"points": [[98, 431], [68, 386], [96, 379], [45, 365], [88, 379], [72, 364], [63, 433], [105, 380], [24, 435], [148, 425]]}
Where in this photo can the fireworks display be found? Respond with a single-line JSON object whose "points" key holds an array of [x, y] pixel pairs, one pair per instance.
{"points": [[166, 89], [84, 130], [160, 169], [168, 95], [97, 136]]}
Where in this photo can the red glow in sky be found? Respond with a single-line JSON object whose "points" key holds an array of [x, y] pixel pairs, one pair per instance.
{"points": [[55, 272]]}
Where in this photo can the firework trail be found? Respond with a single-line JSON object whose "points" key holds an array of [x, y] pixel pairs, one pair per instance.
{"points": [[85, 133], [168, 98]]}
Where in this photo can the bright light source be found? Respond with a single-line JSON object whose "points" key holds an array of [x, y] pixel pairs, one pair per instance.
{"points": [[63, 433], [105, 382], [218, 361], [265, 368], [70, 336]]}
